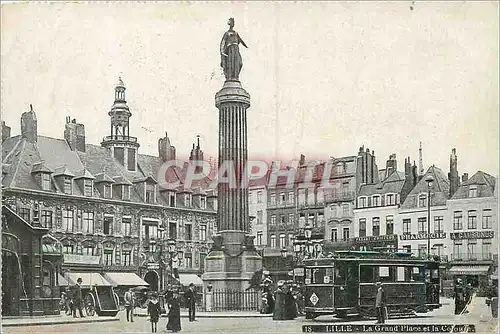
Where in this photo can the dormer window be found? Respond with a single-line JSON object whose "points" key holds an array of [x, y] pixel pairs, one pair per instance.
{"points": [[422, 201], [46, 184], [150, 193], [390, 199], [376, 200], [187, 200], [88, 188], [362, 202], [472, 191], [68, 185], [107, 191], [126, 192], [171, 199], [203, 202]]}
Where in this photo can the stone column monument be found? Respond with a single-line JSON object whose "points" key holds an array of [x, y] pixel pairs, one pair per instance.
{"points": [[233, 260]]}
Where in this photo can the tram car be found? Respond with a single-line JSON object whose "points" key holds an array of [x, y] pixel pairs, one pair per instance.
{"points": [[344, 283]]}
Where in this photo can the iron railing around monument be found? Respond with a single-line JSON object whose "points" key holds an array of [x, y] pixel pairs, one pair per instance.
{"points": [[234, 300]]}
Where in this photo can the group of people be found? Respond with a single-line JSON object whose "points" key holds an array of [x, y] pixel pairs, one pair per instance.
{"points": [[72, 300], [285, 302], [462, 293], [173, 308]]}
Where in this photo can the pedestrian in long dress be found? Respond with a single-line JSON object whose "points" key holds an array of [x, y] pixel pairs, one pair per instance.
{"points": [[154, 311], [174, 313], [280, 303], [459, 296]]}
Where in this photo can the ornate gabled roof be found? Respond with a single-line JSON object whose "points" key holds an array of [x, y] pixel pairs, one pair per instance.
{"points": [[103, 177], [41, 167], [440, 189], [121, 180], [63, 170], [84, 174], [392, 184], [485, 186]]}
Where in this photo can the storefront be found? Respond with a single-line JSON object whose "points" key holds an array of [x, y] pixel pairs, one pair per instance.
{"points": [[376, 243], [468, 263], [29, 268]]}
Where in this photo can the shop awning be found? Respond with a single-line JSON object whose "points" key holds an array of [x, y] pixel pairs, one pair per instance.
{"points": [[125, 279], [50, 250], [62, 280], [187, 279], [89, 279], [469, 270]]}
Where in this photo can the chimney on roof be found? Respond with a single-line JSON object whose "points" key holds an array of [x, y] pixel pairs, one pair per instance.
{"points": [[5, 131], [465, 177], [453, 176], [367, 167], [29, 126], [391, 165], [74, 134], [165, 150], [196, 152], [302, 160]]}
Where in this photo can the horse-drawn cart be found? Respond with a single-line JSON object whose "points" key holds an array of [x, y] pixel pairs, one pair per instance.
{"points": [[98, 294]]}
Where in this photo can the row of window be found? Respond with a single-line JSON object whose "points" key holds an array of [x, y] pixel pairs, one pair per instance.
{"points": [[462, 249], [423, 226], [71, 223], [378, 200], [313, 219], [282, 241], [389, 226], [472, 219], [106, 191]]}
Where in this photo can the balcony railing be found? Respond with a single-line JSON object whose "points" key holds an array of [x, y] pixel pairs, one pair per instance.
{"points": [[339, 196], [472, 257], [120, 137]]}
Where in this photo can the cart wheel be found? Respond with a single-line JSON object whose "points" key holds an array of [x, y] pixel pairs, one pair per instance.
{"points": [[90, 304]]}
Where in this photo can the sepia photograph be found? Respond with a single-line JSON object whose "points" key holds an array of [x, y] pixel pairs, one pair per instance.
{"points": [[249, 167]]}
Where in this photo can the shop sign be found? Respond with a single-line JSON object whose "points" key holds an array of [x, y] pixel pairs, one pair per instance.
{"points": [[81, 259], [423, 236], [377, 238], [472, 235], [153, 265]]}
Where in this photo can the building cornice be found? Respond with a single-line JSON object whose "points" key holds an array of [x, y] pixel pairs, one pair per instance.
{"points": [[53, 195]]}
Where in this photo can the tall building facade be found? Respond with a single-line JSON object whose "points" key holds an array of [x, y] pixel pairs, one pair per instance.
{"points": [[103, 206]]}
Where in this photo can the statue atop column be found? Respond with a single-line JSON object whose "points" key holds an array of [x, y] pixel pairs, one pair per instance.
{"points": [[230, 53]]}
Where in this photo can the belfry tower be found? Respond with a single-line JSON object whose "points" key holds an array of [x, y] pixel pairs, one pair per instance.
{"points": [[233, 258], [119, 142]]}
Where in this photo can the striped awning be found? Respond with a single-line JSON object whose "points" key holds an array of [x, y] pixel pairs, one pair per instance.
{"points": [[469, 270]]}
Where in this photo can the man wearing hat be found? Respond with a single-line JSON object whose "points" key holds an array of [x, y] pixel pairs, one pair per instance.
{"points": [[77, 298], [191, 301], [380, 303]]}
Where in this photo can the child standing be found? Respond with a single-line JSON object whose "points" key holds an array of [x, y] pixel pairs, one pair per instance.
{"points": [[154, 311]]}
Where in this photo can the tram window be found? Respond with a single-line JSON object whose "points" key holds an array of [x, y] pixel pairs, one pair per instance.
{"points": [[386, 274], [321, 276], [401, 274], [435, 273], [340, 273], [366, 274]]}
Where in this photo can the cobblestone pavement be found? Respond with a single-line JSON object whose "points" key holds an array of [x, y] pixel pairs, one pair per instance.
{"points": [[479, 314]]}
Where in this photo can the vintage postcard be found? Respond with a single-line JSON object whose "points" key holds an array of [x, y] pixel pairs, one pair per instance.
{"points": [[250, 167]]}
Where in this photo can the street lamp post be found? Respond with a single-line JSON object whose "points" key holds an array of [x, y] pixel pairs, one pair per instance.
{"points": [[429, 181], [284, 252], [296, 251]]}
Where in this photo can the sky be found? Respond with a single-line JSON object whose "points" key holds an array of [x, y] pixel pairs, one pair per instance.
{"points": [[324, 77]]}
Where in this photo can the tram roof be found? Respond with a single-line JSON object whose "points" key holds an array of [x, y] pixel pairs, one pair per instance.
{"points": [[368, 255]]}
